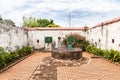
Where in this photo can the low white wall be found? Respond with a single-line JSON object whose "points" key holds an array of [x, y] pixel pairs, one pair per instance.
{"points": [[34, 35], [12, 38]]}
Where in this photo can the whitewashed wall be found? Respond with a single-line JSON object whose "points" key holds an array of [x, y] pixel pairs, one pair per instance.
{"points": [[114, 33], [103, 36], [12, 38], [34, 35]]}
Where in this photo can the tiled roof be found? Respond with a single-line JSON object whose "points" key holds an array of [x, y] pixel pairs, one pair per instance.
{"points": [[107, 22]]}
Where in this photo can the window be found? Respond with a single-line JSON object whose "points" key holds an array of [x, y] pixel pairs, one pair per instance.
{"points": [[37, 41], [99, 40], [90, 30], [95, 43], [113, 40], [59, 38], [92, 39]]}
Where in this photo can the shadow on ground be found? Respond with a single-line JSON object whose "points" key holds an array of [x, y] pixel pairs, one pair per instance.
{"points": [[48, 70]]}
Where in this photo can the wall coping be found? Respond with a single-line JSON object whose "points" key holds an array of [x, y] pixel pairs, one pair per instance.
{"points": [[107, 22], [65, 28]]}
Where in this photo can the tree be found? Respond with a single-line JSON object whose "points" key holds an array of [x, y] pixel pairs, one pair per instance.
{"points": [[25, 21], [51, 21], [43, 22], [34, 22], [1, 19], [9, 22], [86, 28], [29, 22], [53, 25]]}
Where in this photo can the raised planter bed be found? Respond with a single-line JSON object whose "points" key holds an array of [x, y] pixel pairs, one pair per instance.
{"points": [[95, 56], [15, 62]]}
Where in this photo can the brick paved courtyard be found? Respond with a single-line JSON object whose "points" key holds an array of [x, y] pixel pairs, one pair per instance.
{"points": [[95, 69], [24, 69]]}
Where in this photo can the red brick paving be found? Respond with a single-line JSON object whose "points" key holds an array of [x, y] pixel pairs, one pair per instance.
{"points": [[96, 69], [24, 69]]}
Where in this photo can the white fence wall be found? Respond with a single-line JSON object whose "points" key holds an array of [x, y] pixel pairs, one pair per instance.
{"points": [[39, 35], [105, 36], [12, 38]]}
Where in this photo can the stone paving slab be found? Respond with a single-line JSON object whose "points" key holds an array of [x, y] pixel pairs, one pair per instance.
{"points": [[96, 69]]}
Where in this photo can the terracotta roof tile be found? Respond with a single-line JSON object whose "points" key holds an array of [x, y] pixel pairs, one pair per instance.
{"points": [[65, 28], [107, 22]]}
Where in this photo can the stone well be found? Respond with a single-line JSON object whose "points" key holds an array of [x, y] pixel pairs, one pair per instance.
{"points": [[64, 53]]}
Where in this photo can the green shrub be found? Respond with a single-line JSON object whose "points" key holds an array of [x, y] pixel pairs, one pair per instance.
{"points": [[3, 57], [14, 55], [21, 52], [90, 48], [112, 55], [80, 41], [8, 57], [28, 49]]}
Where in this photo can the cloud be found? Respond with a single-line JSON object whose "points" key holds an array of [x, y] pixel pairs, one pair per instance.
{"points": [[83, 12]]}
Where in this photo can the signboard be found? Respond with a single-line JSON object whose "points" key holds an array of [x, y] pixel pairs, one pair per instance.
{"points": [[71, 39], [48, 39]]}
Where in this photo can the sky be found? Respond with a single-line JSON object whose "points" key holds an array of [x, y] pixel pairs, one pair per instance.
{"points": [[77, 12]]}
